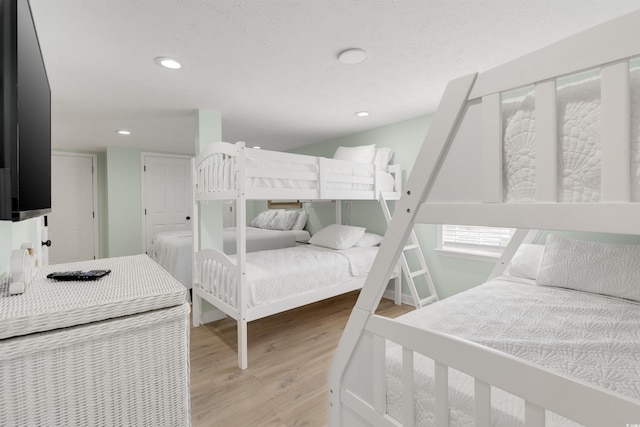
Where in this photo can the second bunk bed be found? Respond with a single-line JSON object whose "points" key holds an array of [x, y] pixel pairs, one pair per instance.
{"points": [[250, 286], [553, 341]]}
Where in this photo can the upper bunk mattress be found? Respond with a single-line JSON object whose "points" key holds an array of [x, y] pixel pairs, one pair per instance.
{"points": [[591, 337]]}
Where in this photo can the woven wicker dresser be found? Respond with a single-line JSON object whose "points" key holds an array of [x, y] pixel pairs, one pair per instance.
{"points": [[110, 352]]}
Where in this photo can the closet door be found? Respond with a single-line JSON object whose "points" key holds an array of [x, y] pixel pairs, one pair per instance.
{"points": [[72, 223], [167, 195]]}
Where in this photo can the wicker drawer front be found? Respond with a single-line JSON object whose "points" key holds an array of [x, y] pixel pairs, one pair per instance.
{"points": [[129, 371]]}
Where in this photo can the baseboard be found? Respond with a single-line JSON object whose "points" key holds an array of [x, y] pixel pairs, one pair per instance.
{"points": [[404, 298]]}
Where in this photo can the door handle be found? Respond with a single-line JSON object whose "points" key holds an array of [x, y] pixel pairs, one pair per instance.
{"points": [[188, 218], [47, 243]]}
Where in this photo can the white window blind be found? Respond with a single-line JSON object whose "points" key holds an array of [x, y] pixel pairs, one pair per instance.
{"points": [[474, 239]]}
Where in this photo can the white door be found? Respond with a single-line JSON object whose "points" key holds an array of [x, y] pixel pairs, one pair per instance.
{"points": [[71, 223], [167, 194]]}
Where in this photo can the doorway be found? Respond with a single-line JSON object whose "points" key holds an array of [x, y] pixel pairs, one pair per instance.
{"points": [[72, 225], [167, 197]]}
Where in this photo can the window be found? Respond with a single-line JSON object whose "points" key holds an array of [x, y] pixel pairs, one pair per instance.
{"points": [[473, 240]]}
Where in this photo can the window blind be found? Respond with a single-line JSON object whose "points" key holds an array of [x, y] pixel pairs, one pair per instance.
{"points": [[466, 238]]}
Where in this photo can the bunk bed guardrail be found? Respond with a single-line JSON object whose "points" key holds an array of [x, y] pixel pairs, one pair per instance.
{"points": [[217, 275], [357, 393], [224, 168]]}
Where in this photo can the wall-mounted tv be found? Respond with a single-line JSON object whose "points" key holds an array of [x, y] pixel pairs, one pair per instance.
{"points": [[25, 126]]}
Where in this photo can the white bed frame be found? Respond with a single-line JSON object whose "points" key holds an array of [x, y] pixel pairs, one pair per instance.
{"points": [[215, 275], [471, 107]]}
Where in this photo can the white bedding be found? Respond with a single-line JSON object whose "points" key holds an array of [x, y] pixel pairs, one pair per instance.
{"points": [[588, 336], [579, 118], [278, 274], [173, 250]]}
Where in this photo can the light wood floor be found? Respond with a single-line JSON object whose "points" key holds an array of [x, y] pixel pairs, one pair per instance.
{"points": [[289, 356]]}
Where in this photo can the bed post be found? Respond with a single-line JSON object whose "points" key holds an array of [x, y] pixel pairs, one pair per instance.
{"points": [[430, 158], [241, 258], [195, 299]]}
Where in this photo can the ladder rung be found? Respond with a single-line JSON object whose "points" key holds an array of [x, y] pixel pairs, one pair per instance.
{"points": [[419, 272], [409, 247]]}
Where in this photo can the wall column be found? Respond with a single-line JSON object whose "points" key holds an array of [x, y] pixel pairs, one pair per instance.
{"points": [[209, 130]]}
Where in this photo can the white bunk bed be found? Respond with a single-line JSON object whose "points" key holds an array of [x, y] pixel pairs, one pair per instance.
{"points": [[562, 178], [236, 285]]}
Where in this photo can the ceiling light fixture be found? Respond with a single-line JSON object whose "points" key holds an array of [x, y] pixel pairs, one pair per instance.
{"points": [[257, 147], [352, 56], [167, 62], [123, 132], [362, 113]]}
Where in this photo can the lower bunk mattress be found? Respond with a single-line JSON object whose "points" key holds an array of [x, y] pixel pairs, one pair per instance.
{"points": [[591, 337], [276, 275]]}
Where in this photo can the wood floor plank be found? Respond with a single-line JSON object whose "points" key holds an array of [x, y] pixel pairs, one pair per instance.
{"points": [[289, 357]]}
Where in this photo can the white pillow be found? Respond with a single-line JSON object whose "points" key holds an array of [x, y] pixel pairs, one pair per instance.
{"points": [[283, 220], [301, 221], [601, 268], [361, 154], [337, 236], [263, 219], [526, 261], [383, 157], [369, 239]]}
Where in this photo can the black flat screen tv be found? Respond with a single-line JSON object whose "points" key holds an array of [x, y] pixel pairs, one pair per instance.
{"points": [[25, 149]]}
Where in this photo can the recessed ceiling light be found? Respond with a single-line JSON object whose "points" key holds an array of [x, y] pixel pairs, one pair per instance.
{"points": [[168, 62], [362, 113], [123, 132], [352, 56], [257, 147]]}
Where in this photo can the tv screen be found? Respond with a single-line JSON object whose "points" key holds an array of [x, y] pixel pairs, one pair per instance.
{"points": [[25, 158]]}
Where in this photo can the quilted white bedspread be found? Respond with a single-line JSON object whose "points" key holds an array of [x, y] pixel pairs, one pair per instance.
{"points": [[173, 251], [579, 156], [588, 336], [278, 274]]}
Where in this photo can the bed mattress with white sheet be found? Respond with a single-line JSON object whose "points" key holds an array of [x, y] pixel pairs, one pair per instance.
{"points": [[592, 337], [279, 274], [579, 142], [173, 250]]}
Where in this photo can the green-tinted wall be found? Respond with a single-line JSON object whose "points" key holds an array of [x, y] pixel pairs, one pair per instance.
{"points": [[450, 274], [124, 220]]}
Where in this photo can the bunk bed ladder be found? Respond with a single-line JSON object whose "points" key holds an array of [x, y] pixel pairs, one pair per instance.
{"points": [[412, 246]]}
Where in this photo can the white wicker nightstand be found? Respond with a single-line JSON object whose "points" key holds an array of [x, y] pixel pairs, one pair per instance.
{"points": [[100, 353]]}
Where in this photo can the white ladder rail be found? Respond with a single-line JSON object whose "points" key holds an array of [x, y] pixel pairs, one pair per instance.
{"points": [[412, 244]]}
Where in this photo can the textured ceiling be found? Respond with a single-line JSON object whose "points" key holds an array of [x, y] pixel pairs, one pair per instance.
{"points": [[269, 66]]}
